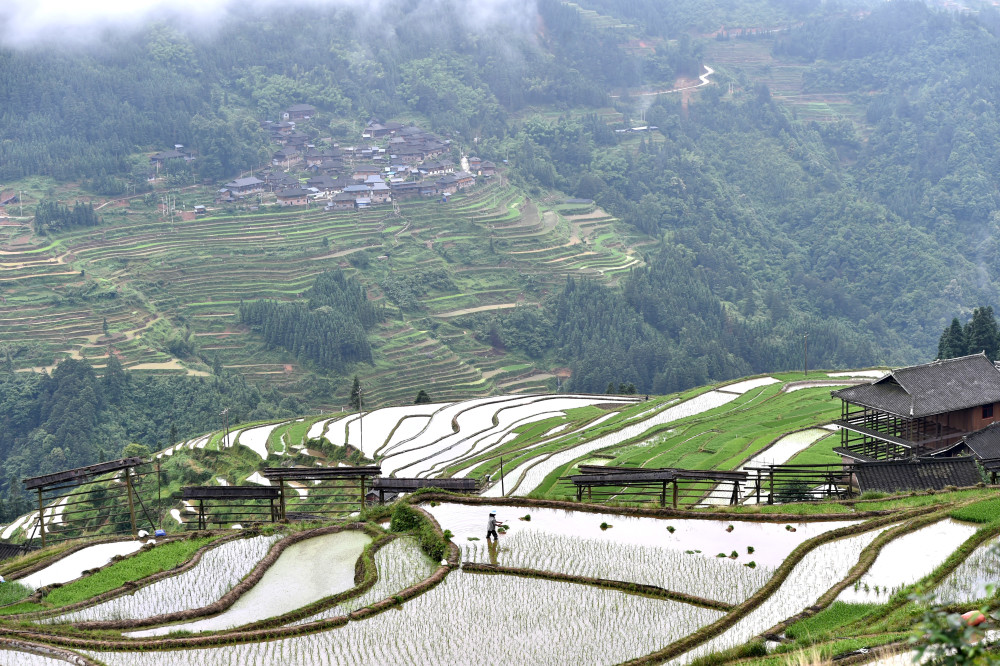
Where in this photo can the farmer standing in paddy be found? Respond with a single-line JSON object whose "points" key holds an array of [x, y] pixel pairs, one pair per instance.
{"points": [[491, 526]]}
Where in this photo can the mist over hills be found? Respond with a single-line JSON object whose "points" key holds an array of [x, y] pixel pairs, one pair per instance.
{"points": [[836, 179]]}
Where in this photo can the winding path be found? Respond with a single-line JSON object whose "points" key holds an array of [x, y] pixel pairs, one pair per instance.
{"points": [[703, 78]]}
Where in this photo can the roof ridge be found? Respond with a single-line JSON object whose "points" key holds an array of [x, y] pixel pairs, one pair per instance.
{"points": [[939, 361]]}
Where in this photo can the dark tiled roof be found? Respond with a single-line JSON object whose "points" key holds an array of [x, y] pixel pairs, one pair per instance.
{"points": [[985, 443], [295, 192], [917, 474], [932, 388]]}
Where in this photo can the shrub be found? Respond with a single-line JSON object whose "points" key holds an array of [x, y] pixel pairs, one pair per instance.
{"points": [[405, 518]]}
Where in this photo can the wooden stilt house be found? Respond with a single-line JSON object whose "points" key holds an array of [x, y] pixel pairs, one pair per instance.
{"points": [[919, 410]]}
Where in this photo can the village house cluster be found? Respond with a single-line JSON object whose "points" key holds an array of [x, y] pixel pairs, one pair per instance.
{"points": [[393, 161]]}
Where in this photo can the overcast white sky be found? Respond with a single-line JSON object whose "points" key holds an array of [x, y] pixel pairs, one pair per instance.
{"points": [[25, 22]]}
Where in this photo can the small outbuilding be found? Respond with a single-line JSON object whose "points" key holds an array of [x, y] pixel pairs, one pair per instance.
{"points": [[894, 476]]}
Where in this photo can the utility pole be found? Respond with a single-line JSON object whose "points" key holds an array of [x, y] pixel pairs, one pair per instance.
{"points": [[225, 424], [805, 354], [361, 418]]}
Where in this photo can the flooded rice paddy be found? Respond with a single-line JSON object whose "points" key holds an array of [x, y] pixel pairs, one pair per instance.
{"points": [[473, 619], [526, 477], [698, 574], [906, 560], [818, 571], [305, 572], [72, 566], [218, 571], [772, 542], [440, 445], [400, 564], [18, 658], [968, 582]]}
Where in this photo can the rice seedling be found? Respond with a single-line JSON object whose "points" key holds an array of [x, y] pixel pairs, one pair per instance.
{"points": [[817, 572], [304, 573], [160, 558], [28, 659], [968, 582], [504, 620], [400, 564], [837, 615], [980, 512], [219, 570], [710, 536], [714, 578], [13, 591], [906, 560]]}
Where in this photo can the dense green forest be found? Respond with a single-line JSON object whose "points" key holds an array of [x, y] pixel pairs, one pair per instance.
{"points": [[73, 417], [866, 234], [329, 328]]}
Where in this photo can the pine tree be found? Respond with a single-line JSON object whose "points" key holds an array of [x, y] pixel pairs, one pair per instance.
{"points": [[422, 398], [952, 343], [982, 333], [114, 378]]}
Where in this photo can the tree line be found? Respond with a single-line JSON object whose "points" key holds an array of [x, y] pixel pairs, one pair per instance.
{"points": [[979, 335], [329, 328], [74, 417]]}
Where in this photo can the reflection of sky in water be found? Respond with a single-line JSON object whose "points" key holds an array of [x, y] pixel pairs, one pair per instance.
{"points": [[304, 572], [908, 559], [968, 582], [771, 541]]}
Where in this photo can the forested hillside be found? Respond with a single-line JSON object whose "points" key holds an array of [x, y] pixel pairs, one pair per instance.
{"points": [[831, 177]]}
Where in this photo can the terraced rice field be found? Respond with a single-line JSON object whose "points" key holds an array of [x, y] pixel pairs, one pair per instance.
{"points": [[146, 275], [561, 580]]}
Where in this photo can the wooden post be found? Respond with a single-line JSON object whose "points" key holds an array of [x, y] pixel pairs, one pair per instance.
{"points": [[131, 503], [202, 521], [736, 493], [663, 495], [41, 516], [757, 487], [381, 496], [362, 479], [770, 495], [579, 493], [675, 493], [281, 499]]}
